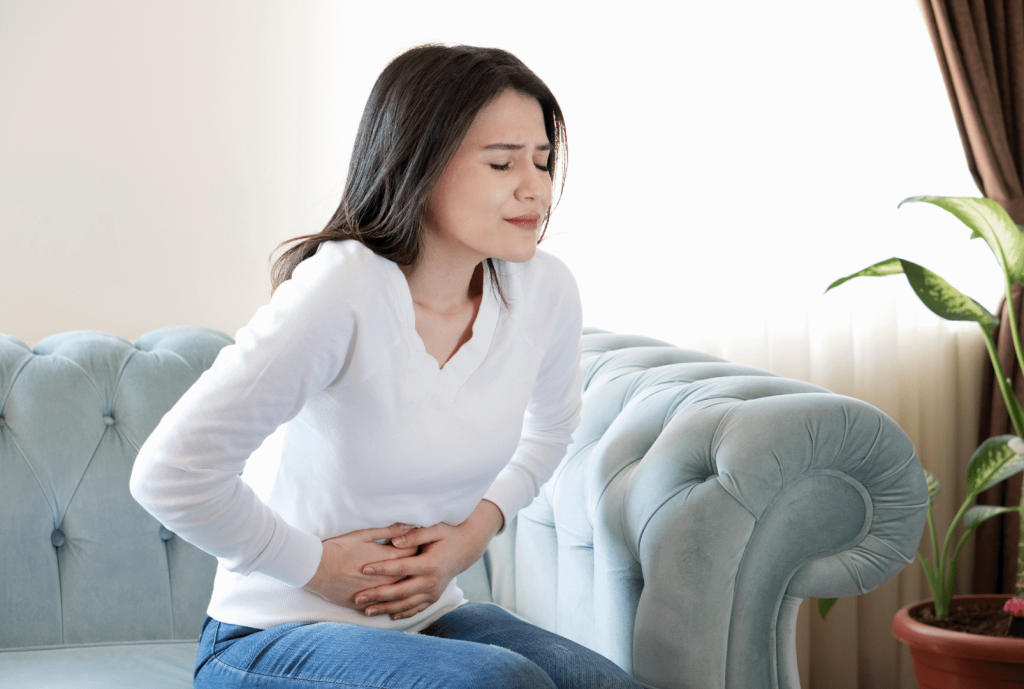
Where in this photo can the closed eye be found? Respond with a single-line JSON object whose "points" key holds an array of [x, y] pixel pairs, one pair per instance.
{"points": [[506, 166]]}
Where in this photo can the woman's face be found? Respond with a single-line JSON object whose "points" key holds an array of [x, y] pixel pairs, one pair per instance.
{"points": [[492, 198]]}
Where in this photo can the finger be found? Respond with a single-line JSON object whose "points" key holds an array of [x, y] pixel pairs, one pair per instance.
{"points": [[390, 552], [391, 532], [413, 565], [409, 613], [398, 606], [398, 590], [426, 534]]}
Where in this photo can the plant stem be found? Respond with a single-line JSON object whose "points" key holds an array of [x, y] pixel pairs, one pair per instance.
{"points": [[935, 540], [1019, 591], [1011, 312], [949, 539], [1004, 386]]}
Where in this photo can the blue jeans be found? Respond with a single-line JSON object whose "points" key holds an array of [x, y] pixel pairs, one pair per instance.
{"points": [[475, 646]]}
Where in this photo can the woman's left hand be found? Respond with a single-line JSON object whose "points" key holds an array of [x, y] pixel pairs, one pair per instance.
{"points": [[445, 552]]}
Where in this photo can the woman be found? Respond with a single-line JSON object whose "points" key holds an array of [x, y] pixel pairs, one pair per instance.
{"points": [[398, 355]]}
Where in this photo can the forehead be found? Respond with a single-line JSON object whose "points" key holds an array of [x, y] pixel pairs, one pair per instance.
{"points": [[510, 118]]}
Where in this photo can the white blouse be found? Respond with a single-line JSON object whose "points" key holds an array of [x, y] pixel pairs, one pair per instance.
{"points": [[342, 421]]}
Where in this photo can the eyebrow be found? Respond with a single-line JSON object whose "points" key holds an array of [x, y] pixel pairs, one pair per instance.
{"points": [[515, 147]]}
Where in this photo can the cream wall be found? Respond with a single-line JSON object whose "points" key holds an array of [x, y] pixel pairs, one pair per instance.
{"points": [[152, 155], [725, 166]]}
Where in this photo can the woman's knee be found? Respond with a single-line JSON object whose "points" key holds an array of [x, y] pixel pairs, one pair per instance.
{"points": [[505, 669]]}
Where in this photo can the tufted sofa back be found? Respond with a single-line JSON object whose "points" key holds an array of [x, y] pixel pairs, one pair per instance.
{"points": [[80, 561]]}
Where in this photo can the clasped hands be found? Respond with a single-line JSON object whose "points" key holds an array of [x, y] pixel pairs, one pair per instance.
{"points": [[409, 575]]}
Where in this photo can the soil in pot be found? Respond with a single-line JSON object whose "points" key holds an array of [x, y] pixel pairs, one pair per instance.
{"points": [[987, 619], [946, 658]]}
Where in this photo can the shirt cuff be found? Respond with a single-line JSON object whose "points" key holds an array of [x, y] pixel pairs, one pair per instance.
{"points": [[297, 561], [511, 492]]}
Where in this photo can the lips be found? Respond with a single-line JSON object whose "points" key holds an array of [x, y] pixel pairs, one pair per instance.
{"points": [[526, 222]]}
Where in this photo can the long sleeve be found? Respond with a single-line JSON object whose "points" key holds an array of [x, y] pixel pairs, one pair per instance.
{"points": [[187, 472], [553, 411]]}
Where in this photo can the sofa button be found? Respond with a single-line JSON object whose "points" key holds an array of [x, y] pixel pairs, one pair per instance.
{"points": [[57, 538], [165, 533], [109, 420]]}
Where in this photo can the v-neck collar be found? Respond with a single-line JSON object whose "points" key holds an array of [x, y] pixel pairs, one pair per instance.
{"points": [[447, 379]]}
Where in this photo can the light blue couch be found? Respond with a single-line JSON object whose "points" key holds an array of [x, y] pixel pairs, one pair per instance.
{"points": [[699, 503]]}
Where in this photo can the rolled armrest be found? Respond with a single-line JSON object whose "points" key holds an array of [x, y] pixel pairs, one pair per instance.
{"points": [[712, 497]]}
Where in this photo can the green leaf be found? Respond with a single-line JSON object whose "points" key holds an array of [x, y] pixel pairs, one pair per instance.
{"points": [[990, 221], [824, 605], [942, 298], [996, 460], [979, 513], [891, 266], [933, 486]]}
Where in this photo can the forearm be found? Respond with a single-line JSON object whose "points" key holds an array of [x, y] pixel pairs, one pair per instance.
{"points": [[489, 516]]}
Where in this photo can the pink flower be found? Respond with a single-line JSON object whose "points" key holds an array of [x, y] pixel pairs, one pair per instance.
{"points": [[1015, 606]]}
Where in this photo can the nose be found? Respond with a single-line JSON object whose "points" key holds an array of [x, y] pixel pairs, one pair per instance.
{"points": [[533, 184]]}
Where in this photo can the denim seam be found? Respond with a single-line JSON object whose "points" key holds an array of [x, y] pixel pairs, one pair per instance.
{"points": [[216, 656], [295, 679]]}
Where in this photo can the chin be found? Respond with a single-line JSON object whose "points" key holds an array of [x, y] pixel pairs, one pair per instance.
{"points": [[518, 254]]}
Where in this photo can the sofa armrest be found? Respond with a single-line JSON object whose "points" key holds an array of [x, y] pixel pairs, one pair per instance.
{"points": [[799, 494], [699, 502]]}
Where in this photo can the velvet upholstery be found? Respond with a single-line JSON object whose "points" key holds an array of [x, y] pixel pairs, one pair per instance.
{"points": [[699, 502]]}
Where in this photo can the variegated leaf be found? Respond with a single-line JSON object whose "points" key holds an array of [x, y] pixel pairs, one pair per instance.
{"points": [[942, 298], [979, 513], [995, 460], [891, 266], [990, 221]]}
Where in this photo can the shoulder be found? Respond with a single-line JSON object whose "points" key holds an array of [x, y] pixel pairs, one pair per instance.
{"points": [[544, 276], [339, 273], [340, 262], [542, 297], [342, 284]]}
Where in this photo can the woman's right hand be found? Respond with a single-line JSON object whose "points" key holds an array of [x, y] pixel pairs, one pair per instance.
{"points": [[339, 576]]}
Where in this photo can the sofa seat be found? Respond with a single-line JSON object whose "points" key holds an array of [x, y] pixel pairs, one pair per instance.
{"points": [[148, 664]]}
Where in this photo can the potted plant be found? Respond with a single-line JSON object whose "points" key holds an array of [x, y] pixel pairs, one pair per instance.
{"points": [[939, 653]]}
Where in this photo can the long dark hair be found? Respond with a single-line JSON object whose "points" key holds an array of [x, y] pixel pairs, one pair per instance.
{"points": [[414, 121]]}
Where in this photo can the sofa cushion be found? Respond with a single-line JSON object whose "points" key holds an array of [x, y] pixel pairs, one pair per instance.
{"points": [[153, 665]]}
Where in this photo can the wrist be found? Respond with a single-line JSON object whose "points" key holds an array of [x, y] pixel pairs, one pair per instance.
{"points": [[491, 515]]}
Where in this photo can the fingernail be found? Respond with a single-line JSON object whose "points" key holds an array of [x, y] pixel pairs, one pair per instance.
{"points": [[405, 526], [398, 541], [370, 612], [362, 599], [369, 570]]}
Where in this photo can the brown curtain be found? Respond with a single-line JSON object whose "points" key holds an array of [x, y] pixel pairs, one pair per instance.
{"points": [[980, 48]]}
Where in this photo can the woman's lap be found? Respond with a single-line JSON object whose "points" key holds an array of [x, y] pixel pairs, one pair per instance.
{"points": [[475, 645]]}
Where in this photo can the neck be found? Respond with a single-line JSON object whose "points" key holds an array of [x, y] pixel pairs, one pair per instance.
{"points": [[443, 285]]}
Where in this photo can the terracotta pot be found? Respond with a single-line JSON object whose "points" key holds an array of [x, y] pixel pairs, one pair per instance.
{"points": [[945, 659]]}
